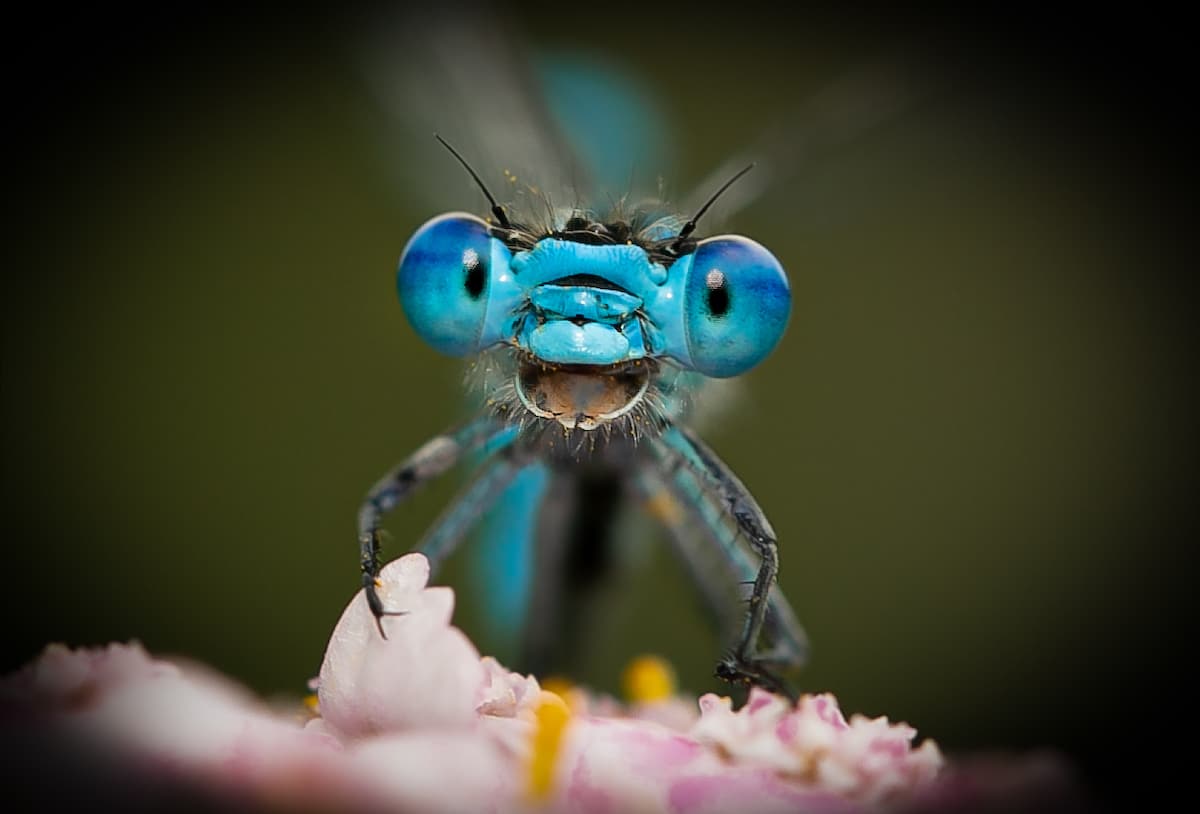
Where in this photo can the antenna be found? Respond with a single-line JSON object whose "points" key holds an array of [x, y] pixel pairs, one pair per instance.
{"points": [[496, 210], [690, 226]]}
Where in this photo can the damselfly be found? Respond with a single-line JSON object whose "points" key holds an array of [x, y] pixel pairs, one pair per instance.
{"points": [[596, 330], [593, 327]]}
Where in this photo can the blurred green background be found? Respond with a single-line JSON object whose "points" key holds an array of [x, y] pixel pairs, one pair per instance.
{"points": [[969, 441]]}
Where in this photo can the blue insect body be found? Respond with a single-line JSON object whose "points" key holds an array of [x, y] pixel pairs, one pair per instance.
{"points": [[591, 336]]}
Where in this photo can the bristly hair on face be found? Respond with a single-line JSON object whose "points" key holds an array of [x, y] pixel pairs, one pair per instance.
{"points": [[647, 224], [665, 236], [491, 378]]}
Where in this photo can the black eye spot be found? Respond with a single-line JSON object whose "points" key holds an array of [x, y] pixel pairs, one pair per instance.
{"points": [[476, 274], [716, 293]]}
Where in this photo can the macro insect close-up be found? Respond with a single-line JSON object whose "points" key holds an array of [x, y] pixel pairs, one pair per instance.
{"points": [[781, 414], [596, 330]]}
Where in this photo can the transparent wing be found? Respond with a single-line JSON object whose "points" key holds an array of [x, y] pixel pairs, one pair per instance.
{"points": [[553, 129], [850, 107], [576, 128]]}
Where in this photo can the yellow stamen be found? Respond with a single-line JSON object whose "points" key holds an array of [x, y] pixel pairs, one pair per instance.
{"points": [[648, 679], [312, 703], [559, 685], [551, 717]]}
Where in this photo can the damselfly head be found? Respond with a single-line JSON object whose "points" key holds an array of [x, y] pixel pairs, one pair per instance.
{"points": [[593, 309]]}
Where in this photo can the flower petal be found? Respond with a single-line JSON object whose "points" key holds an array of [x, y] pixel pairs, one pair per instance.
{"points": [[438, 771], [425, 674]]}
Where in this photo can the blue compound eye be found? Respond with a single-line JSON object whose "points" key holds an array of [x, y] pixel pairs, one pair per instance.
{"points": [[736, 304], [443, 282]]}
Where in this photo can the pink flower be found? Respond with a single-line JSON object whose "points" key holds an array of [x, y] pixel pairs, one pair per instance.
{"points": [[866, 759], [654, 756], [767, 757], [153, 721], [420, 721]]}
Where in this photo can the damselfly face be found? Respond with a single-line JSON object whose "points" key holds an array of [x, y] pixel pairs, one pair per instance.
{"points": [[599, 317]]}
